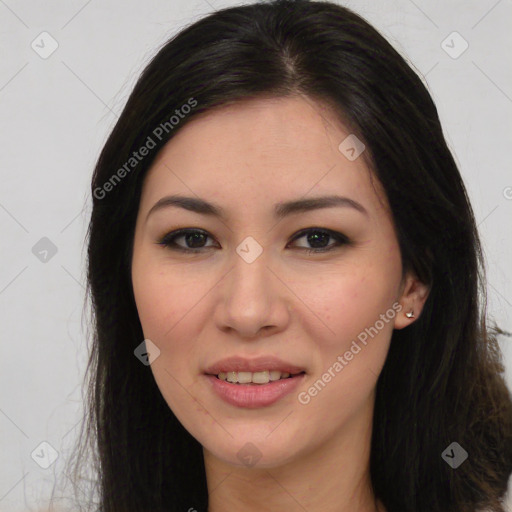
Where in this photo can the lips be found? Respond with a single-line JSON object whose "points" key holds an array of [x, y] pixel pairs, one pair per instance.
{"points": [[253, 396], [260, 364], [253, 383]]}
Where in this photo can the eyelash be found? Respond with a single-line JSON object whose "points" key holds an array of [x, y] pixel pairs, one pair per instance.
{"points": [[169, 240]]}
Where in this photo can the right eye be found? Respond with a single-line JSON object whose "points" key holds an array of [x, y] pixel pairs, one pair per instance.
{"points": [[193, 237]]}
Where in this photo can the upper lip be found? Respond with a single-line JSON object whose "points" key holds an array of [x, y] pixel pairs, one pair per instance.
{"points": [[242, 364]]}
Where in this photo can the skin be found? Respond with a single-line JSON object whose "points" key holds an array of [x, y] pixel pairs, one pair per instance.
{"points": [[303, 308]]}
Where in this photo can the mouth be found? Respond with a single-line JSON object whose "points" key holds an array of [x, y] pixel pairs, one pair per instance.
{"points": [[253, 383], [259, 370], [256, 378]]}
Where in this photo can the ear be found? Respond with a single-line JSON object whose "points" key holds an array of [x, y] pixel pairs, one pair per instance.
{"points": [[412, 299]]}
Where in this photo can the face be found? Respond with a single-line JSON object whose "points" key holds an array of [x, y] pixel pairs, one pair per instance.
{"points": [[254, 284]]}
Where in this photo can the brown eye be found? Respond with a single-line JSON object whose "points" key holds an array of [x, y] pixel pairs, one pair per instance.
{"points": [[194, 240], [318, 238]]}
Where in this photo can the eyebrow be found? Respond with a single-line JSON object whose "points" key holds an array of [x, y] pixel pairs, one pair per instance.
{"points": [[281, 210]]}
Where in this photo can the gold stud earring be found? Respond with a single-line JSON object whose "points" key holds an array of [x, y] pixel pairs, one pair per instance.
{"points": [[410, 314]]}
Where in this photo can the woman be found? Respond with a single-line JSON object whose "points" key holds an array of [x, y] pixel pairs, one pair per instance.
{"points": [[285, 275]]}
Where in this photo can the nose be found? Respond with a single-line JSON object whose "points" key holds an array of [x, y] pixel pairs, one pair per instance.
{"points": [[252, 300]]}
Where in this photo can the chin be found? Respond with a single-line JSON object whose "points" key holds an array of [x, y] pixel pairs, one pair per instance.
{"points": [[247, 444], [254, 454]]}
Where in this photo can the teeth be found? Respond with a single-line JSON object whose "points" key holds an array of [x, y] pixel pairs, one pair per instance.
{"points": [[260, 377], [244, 377], [274, 375], [263, 377], [232, 377]]}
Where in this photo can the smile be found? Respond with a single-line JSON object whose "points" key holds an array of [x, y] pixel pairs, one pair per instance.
{"points": [[253, 383], [263, 377]]}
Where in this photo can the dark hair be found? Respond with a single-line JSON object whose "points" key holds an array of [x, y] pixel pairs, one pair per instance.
{"points": [[442, 379]]}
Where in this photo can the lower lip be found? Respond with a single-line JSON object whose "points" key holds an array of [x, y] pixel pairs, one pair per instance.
{"points": [[252, 396]]}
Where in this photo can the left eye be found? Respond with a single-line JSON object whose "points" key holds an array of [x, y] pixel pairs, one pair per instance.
{"points": [[195, 239], [317, 237]]}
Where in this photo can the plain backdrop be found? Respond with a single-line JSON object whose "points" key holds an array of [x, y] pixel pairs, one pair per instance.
{"points": [[56, 113]]}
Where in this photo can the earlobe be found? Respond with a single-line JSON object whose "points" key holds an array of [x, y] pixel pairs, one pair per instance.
{"points": [[412, 300]]}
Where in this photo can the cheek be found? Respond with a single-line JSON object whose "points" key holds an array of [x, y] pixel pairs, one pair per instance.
{"points": [[163, 295], [157, 307], [349, 300], [356, 306], [165, 302], [171, 307]]}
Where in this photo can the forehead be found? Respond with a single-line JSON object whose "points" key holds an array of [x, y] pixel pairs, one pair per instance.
{"points": [[266, 150]]}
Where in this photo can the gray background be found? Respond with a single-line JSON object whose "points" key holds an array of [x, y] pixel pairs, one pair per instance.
{"points": [[55, 115]]}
